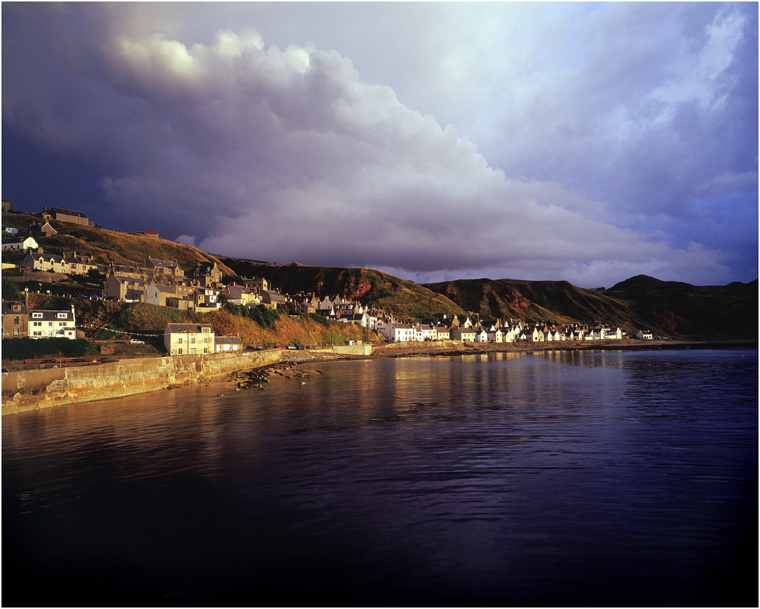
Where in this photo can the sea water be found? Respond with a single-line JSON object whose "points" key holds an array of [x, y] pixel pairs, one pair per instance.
{"points": [[546, 478]]}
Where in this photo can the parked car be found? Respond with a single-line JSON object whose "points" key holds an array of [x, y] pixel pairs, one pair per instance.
{"points": [[136, 341]]}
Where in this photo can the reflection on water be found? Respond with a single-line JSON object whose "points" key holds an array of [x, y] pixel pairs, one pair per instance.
{"points": [[551, 478]]}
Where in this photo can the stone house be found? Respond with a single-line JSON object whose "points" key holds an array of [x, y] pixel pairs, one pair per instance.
{"points": [[15, 319], [165, 268], [66, 215], [124, 289], [43, 262], [466, 335]]}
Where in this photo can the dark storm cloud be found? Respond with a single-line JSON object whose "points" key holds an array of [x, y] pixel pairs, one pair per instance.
{"points": [[611, 140]]}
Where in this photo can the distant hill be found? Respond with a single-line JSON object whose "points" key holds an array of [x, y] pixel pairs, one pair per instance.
{"points": [[666, 308], [688, 310]]}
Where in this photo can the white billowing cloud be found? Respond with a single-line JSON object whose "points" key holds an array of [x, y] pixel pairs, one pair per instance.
{"points": [[287, 153]]}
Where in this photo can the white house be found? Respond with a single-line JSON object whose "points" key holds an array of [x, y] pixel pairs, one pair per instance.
{"points": [[188, 339], [645, 334], [28, 243], [226, 344], [53, 324], [399, 332]]}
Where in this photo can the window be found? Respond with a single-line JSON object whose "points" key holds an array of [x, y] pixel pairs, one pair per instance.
{"points": [[37, 323], [179, 351], [179, 341], [192, 340], [15, 331], [15, 319], [17, 307], [37, 315]]}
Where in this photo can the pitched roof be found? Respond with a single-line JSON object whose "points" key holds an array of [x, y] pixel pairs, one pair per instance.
{"points": [[8, 307], [67, 212], [227, 340], [196, 328], [169, 264]]}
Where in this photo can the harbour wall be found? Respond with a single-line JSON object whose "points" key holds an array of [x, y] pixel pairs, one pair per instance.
{"points": [[25, 390]]}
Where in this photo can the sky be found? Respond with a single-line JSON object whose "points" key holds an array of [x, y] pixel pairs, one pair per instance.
{"points": [[433, 141]]}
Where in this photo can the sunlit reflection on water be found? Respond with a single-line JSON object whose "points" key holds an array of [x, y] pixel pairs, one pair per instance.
{"points": [[551, 478]]}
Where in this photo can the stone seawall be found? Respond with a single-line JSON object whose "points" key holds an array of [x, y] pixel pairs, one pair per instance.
{"points": [[33, 389]]}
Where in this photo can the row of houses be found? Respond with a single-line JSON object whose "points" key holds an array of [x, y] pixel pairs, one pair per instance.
{"points": [[512, 331]]}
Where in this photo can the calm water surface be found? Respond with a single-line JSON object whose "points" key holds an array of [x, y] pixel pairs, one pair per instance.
{"points": [[553, 478]]}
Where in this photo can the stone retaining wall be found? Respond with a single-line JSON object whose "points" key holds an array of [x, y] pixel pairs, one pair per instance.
{"points": [[33, 389]]}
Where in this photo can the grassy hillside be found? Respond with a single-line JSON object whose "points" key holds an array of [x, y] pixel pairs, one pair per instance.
{"points": [[402, 299], [120, 248]]}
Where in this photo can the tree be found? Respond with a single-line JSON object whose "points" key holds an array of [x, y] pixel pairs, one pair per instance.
{"points": [[10, 291]]}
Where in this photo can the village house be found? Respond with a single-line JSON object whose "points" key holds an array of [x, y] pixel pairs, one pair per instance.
{"points": [[52, 324], [465, 334], [79, 265], [205, 298], [273, 300], [398, 333], [15, 319], [188, 339], [42, 230], [644, 334], [241, 295], [27, 244], [66, 215], [157, 293], [227, 344], [43, 262], [258, 285], [124, 289], [207, 274], [165, 268]]}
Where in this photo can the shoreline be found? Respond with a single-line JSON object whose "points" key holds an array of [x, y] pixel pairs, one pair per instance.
{"points": [[449, 348]]}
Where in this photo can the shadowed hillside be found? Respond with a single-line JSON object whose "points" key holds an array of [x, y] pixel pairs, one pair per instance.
{"points": [[667, 308], [729, 311]]}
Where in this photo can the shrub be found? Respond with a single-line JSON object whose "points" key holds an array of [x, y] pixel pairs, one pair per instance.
{"points": [[31, 348]]}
